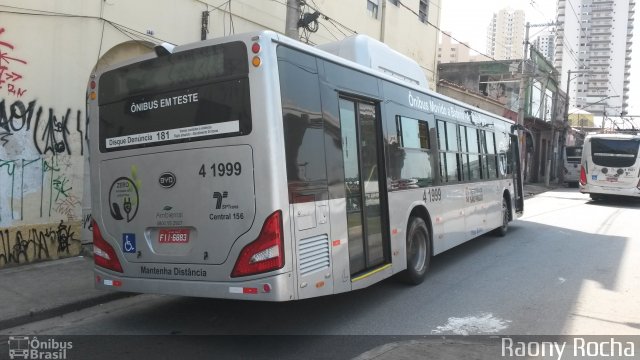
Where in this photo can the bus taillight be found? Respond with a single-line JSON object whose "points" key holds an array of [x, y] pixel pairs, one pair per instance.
{"points": [[103, 253], [583, 176], [264, 254]]}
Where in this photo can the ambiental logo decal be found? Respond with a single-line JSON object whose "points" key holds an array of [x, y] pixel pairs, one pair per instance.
{"points": [[123, 195], [167, 179]]}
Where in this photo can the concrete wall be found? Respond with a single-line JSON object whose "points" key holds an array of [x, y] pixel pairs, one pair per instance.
{"points": [[48, 50], [44, 66], [500, 84], [476, 99]]}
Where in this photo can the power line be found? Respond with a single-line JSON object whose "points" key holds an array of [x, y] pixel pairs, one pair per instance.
{"points": [[101, 34], [67, 15], [214, 7], [324, 16], [42, 12], [329, 31], [51, 14], [442, 32], [577, 18]]}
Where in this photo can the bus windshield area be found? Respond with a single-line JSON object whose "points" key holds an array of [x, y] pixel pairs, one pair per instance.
{"points": [[574, 153], [614, 152]]}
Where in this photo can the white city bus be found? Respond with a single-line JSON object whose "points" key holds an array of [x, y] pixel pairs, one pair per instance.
{"points": [[256, 167], [610, 166], [571, 160]]}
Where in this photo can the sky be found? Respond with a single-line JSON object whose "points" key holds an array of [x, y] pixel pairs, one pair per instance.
{"points": [[467, 20]]}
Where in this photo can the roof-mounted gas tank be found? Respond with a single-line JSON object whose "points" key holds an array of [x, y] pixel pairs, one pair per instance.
{"points": [[373, 54]]}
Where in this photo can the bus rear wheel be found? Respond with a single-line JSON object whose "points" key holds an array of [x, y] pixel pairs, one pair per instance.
{"points": [[418, 252]]}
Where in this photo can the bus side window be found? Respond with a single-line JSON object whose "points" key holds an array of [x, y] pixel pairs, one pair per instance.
{"points": [[474, 154], [464, 154], [411, 158], [491, 165], [302, 120], [502, 149], [449, 146], [510, 157]]}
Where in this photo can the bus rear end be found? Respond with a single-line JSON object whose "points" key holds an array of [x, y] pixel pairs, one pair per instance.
{"points": [[572, 158], [610, 166], [187, 195]]}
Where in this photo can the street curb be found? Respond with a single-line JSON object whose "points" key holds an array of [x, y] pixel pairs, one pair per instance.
{"points": [[62, 309]]}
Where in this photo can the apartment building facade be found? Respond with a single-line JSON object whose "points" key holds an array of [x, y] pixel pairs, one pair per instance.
{"points": [[594, 41], [505, 35]]}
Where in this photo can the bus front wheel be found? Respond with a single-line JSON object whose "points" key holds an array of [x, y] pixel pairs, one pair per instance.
{"points": [[502, 230], [418, 251]]}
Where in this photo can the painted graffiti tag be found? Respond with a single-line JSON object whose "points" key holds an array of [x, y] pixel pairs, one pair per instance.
{"points": [[68, 206], [52, 183], [9, 76], [51, 135], [87, 222], [40, 243], [60, 184]]}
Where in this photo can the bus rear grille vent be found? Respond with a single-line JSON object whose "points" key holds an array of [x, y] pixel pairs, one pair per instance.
{"points": [[313, 254]]}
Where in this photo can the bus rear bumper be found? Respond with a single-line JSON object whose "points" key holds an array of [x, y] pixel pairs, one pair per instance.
{"points": [[274, 288], [608, 190]]}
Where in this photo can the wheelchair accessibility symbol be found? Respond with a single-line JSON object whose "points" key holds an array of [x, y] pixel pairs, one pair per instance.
{"points": [[129, 243]]}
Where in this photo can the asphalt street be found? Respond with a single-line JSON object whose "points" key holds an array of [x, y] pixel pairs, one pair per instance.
{"points": [[568, 267]]}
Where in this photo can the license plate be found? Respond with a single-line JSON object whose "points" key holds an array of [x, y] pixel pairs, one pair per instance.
{"points": [[612, 179], [173, 236]]}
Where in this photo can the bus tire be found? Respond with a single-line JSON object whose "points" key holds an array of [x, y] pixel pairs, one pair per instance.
{"points": [[418, 252], [502, 230]]}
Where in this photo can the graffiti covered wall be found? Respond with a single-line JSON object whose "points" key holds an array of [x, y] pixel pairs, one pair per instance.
{"points": [[42, 145]]}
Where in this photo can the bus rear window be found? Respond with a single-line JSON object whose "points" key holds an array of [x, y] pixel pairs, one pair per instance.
{"points": [[574, 151], [614, 153], [187, 96]]}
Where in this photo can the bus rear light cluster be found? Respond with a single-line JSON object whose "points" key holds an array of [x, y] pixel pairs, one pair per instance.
{"points": [[103, 254], [583, 176], [92, 93], [264, 254], [256, 61]]}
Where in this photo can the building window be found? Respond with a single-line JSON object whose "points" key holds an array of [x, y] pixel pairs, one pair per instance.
{"points": [[372, 8], [423, 11]]}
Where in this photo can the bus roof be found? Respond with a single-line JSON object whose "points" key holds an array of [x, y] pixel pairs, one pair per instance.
{"points": [[614, 136], [279, 38], [380, 74]]}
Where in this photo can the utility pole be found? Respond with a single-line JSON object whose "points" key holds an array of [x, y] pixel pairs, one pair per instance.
{"points": [[563, 136], [553, 149], [204, 27], [524, 84], [293, 16]]}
